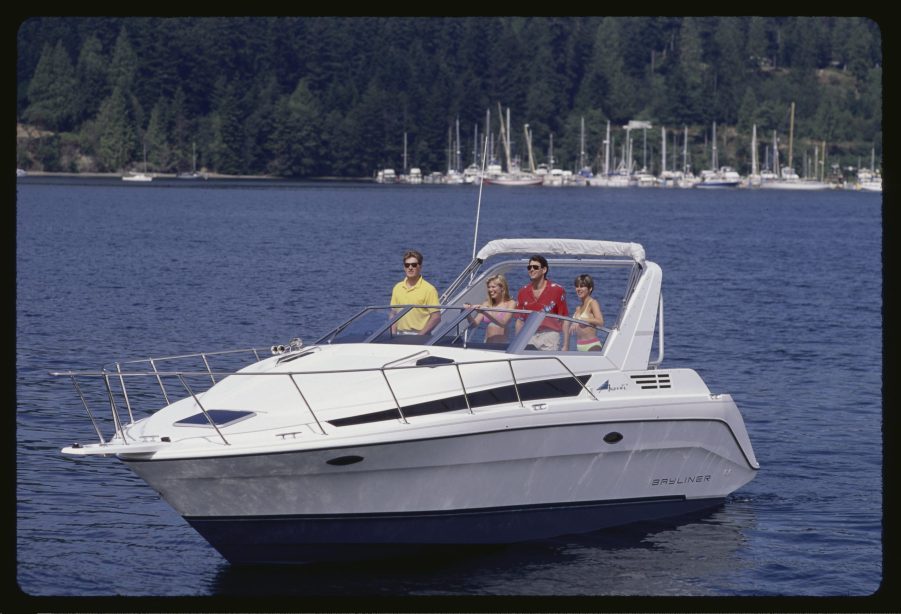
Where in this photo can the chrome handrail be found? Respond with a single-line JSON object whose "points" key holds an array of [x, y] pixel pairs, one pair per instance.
{"points": [[292, 375]]}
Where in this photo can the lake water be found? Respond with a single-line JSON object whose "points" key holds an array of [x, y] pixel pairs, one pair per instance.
{"points": [[774, 297]]}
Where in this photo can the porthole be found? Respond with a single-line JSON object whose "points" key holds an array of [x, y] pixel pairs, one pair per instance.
{"points": [[613, 437], [344, 460]]}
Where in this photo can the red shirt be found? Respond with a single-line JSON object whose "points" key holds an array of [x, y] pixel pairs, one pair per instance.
{"points": [[551, 300]]}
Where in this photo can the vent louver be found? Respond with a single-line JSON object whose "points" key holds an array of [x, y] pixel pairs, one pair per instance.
{"points": [[652, 380]]}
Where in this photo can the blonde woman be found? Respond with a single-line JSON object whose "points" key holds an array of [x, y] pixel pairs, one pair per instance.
{"points": [[588, 311], [498, 297]]}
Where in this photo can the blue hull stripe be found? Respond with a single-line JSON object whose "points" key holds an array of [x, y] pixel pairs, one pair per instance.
{"points": [[311, 538]]}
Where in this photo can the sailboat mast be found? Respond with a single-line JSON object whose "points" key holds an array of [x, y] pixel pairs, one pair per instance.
{"points": [[791, 135], [776, 168], [607, 151], [528, 134], [582, 152], [663, 150], [754, 150], [457, 159]]}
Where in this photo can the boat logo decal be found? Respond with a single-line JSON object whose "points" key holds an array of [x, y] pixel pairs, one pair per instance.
{"points": [[688, 479]]}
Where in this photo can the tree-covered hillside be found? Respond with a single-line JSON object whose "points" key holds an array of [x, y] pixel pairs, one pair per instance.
{"points": [[332, 96]]}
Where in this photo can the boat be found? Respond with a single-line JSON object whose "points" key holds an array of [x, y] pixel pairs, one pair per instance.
{"points": [[724, 177], [193, 174], [367, 441], [514, 179], [140, 177], [718, 176], [790, 180], [870, 179], [386, 176], [414, 177]]}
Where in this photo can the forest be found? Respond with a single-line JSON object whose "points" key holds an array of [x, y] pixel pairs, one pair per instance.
{"points": [[310, 97]]}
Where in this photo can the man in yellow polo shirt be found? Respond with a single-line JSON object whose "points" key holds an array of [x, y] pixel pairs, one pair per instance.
{"points": [[414, 290]]}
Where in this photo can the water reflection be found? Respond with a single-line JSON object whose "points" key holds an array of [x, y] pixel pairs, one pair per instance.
{"points": [[673, 555]]}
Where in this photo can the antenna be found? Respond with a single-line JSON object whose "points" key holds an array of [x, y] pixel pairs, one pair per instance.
{"points": [[475, 238]]}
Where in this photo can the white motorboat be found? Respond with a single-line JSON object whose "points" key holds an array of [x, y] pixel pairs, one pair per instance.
{"points": [[368, 440], [515, 180], [725, 177], [137, 177]]}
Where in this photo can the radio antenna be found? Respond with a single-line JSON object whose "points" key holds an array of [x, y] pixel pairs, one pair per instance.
{"points": [[475, 237]]}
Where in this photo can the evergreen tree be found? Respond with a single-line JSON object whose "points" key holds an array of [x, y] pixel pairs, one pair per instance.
{"points": [[182, 138], [124, 64], [729, 69], [92, 85], [160, 155], [225, 146], [118, 139], [50, 90], [295, 142], [759, 46], [617, 89]]}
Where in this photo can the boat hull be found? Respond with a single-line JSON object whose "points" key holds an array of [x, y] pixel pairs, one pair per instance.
{"points": [[257, 540], [501, 486]]}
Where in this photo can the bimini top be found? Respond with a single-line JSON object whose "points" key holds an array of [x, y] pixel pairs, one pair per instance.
{"points": [[562, 247]]}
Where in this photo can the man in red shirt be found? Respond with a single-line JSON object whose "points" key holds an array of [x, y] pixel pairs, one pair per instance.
{"points": [[541, 294]]}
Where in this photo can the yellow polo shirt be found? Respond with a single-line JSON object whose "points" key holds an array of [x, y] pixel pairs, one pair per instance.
{"points": [[422, 293]]}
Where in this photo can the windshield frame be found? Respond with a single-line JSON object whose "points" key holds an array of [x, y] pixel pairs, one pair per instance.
{"points": [[518, 343]]}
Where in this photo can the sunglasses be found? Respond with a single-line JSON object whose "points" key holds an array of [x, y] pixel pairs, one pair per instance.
{"points": [[411, 265], [534, 267]]}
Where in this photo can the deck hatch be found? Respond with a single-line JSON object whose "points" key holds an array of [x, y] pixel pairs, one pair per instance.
{"points": [[221, 417]]}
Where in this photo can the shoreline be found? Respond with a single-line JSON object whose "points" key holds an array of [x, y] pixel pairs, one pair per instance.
{"points": [[207, 175]]}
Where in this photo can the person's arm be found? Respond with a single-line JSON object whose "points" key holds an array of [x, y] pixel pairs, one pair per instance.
{"points": [[476, 319], [519, 318], [393, 312], [434, 318], [594, 313]]}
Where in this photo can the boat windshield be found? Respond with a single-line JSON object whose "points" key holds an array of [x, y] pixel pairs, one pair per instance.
{"points": [[469, 327]]}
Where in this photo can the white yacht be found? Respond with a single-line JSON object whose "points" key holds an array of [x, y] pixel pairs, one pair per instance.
{"points": [[367, 440]]}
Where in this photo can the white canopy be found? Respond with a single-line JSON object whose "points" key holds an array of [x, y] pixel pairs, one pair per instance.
{"points": [[562, 247]]}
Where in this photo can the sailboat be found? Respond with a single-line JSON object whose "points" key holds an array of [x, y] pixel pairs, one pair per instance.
{"points": [[619, 178], [870, 179], [139, 177], [788, 178], [718, 177], [193, 174], [514, 176], [687, 179]]}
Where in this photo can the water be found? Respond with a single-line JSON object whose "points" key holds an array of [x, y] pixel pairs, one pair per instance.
{"points": [[772, 296]]}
